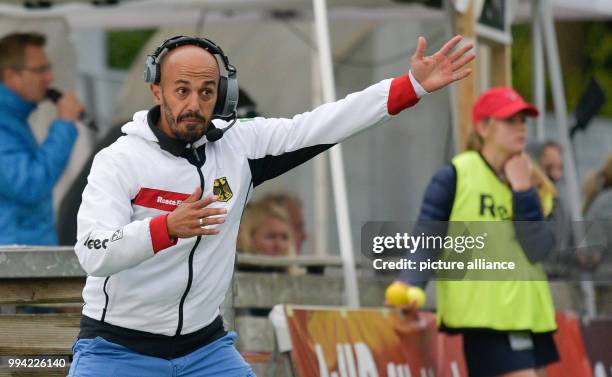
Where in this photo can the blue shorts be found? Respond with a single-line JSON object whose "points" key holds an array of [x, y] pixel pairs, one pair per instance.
{"points": [[491, 353], [100, 358]]}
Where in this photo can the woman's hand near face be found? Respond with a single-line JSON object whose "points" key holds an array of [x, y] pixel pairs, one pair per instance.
{"points": [[518, 170]]}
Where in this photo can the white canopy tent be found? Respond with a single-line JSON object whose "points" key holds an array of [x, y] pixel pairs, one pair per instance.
{"points": [[232, 24], [133, 14]]}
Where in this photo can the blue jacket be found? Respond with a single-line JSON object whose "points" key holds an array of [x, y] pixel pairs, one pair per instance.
{"points": [[28, 172]]}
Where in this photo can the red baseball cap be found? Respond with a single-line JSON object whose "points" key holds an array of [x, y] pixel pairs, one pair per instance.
{"points": [[501, 103]]}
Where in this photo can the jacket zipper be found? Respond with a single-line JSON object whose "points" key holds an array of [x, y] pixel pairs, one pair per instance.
{"points": [[193, 249], [105, 300]]}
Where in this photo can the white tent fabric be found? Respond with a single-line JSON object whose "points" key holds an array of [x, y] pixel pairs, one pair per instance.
{"points": [[81, 14], [129, 14]]}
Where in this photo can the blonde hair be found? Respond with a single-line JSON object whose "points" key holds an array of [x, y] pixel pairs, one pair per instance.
{"points": [[597, 182], [254, 215], [539, 179], [282, 199]]}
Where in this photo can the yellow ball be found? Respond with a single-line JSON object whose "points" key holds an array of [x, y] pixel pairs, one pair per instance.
{"points": [[416, 295], [396, 294]]}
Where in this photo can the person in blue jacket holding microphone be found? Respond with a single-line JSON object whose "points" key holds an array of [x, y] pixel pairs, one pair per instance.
{"points": [[30, 170]]}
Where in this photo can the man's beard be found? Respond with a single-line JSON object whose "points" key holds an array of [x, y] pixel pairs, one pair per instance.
{"points": [[189, 133]]}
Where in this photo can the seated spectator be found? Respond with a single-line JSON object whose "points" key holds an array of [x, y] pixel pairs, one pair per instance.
{"points": [[550, 159], [293, 205], [265, 229]]}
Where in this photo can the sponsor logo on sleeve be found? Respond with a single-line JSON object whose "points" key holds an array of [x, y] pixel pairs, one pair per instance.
{"points": [[117, 235], [96, 243]]}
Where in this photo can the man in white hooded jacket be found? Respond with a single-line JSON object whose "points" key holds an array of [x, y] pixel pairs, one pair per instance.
{"points": [[160, 214]]}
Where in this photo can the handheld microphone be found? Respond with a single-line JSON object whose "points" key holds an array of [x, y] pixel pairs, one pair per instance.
{"points": [[213, 133], [54, 95]]}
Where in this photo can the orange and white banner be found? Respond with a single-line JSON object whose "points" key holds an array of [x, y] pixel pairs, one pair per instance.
{"points": [[370, 342], [570, 344], [339, 342]]}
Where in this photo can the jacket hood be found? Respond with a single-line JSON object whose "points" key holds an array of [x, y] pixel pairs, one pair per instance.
{"points": [[139, 126]]}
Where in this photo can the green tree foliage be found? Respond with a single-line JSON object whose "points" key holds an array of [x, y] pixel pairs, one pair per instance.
{"points": [[585, 49], [124, 46]]}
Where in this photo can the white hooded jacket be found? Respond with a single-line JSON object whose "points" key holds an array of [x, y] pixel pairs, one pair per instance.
{"points": [[139, 278]]}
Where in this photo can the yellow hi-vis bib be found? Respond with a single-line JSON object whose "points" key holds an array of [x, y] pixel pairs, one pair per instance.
{"points": [[521, 304]]}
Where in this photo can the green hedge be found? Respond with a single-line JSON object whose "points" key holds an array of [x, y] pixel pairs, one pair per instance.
{"points": [[585, 55], [124, 46]]}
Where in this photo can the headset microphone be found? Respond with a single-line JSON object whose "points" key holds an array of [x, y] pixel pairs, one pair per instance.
{"points": [[213, 133]]}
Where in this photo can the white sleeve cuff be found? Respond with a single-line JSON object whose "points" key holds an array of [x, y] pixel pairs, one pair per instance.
{"points": [[418, 89]]}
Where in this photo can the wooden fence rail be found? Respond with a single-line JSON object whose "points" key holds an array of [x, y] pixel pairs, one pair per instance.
{"points": [[53, 277]]}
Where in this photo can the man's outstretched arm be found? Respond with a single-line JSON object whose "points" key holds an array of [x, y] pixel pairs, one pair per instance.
{"points": [[273, 146]]}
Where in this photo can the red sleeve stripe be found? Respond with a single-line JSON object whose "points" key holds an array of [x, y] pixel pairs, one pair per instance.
{"points": [[159, 234], [401, 95]]}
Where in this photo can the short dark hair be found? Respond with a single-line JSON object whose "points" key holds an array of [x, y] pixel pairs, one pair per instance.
{"points": [[551, 144], [12, 49]]}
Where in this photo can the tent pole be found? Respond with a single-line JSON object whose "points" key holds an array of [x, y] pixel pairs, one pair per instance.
{"points": [[538, 73], [556, 81], [337, 165], [320, 183], [449, 9]]}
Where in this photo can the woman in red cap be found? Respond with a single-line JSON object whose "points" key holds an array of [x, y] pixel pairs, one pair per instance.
{"points": [[507, 323]]}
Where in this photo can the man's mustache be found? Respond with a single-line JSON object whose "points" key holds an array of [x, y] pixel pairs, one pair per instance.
{"points": [[191, 116]]}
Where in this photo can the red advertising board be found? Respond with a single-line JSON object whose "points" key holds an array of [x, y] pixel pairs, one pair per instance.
{"points": [[568, 338], [338, 342], [597, 335], [370, 342]]}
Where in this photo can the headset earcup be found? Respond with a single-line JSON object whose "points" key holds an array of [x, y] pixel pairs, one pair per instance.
{"points": [[151, 72], [156, 73], [231, 97], [148, 74], [221, 97]]}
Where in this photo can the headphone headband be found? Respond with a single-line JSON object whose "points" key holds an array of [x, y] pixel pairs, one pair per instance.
{"points": [[227, 98], [206, 44]]}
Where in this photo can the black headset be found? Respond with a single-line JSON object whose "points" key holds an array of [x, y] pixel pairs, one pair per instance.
{"points": [[227, 91]]}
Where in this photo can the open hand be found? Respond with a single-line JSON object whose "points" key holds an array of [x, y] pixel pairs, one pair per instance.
{"points": [[442, 68], [192, 216]]}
